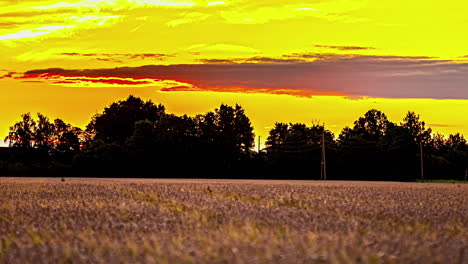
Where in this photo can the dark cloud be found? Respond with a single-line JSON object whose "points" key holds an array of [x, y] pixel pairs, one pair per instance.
{"points": [[344, 48], [49, 70], [352, 76]]}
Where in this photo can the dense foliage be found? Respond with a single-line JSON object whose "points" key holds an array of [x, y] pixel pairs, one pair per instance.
{"points": [[136, 138]]}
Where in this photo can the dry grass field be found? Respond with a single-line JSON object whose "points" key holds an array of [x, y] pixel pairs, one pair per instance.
{"points": [[218, 221]]}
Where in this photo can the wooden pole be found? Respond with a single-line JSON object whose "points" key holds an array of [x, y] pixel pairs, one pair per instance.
{"points": [[323, 163], [258, 144], [422, 160], [324, 158]]}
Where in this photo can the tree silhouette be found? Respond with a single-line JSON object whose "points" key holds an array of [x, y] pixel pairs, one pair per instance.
{"points": [[372, 126], [277, 135], [116, 123], [22, 134], [66, 139], [362, 151], [234, 128], [295, 149], [416, 128], [39, 143], [43, 135], [134, 137]]}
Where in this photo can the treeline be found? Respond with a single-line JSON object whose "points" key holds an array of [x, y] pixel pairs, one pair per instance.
{"points": [[136, 138]]}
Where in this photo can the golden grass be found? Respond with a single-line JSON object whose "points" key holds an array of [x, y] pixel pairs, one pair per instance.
{"points": [[46, 220]]}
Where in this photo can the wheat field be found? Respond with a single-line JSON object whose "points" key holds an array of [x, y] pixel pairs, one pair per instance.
{"points": [[49, 220]]}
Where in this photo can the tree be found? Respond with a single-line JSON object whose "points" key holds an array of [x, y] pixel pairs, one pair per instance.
{"points": [[456, 142], [297, 135], [457, 155], [362, 148], [41, 142], [116, 123], [277, 135], [234, 128], [22, 134], [372, 126], [437, 143], [67, 139], [416, 128], [44, 134], [295, 149], [228, 127], [399, 153]]}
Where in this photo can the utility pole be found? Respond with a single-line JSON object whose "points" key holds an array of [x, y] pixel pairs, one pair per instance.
{"points": [[323, 167], [466, 174], [422, 160], [258, 144]]}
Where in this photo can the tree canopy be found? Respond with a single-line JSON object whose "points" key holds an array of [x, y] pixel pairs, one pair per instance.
{"points": [[134, 137]]}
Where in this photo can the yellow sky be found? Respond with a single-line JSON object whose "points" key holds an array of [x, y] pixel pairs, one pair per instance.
{"points": [[100, 34]]}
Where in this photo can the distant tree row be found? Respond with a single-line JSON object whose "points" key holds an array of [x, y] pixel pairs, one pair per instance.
{"points": [[136, 138]]}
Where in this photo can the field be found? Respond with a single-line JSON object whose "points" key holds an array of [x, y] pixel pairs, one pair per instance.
{"points": [[44, 220]]}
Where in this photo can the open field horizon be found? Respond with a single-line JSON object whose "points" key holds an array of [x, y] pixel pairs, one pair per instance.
{"points": [[26, 179], [102, 220]]}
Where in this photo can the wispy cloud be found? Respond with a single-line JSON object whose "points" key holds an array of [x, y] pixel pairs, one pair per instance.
{"points": [[33, 19], [187, 18], [344, 48], [257, 13], [222, 48], [36, 32], [118, 57], [438, 125], [316, 56]]}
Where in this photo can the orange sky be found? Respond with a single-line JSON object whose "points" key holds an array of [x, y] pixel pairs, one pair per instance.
{"points": [[289, 61]]}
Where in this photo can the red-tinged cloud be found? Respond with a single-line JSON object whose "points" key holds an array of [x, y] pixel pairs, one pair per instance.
{"points": [[100, 81], [352, 76]]}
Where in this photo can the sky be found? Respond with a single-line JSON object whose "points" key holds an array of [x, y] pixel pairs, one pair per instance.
{"points": [[321, 61]]}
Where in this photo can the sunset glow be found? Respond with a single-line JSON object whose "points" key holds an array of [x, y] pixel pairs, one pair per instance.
{"points": [[287, 61]]}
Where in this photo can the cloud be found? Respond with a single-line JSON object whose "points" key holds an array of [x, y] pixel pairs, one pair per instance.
{"points": [[438, 125], [352, 77], [36, 32], [118, 57], [259, 13], [257, 59], [222, 48], [34, 29], [315, 56], [26, 20], [188, 18], [56, 77], [344, 48]]}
